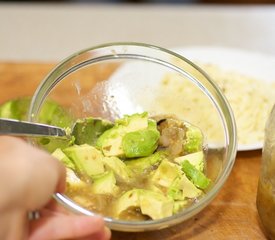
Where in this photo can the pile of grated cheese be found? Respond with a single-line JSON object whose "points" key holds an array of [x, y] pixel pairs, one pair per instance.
{"points": [[251, 101]]}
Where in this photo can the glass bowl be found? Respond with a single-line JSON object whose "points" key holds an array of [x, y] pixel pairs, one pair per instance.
{"points": [[114, 79]]}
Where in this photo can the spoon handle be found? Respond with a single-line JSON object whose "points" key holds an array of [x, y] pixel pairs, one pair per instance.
{"points": [[30, 129]]}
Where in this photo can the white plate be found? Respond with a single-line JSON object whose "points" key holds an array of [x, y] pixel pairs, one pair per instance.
{"points": [[254, 64]]}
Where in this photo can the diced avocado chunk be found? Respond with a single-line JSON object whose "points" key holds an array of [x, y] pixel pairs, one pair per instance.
{"points": [[105, 184], [153, 204], [129, 199], [196, 176], [132, 136], [54, 114], [194, 139], [89, 129], [143, 142], [182, 188], [196, 159], [51, 144], [51, 112], [122, 173], [165, 174], [140, 143], [61, 156], [152, 124], [179, 205], [139, 165], [73, 181], [110, 142], [134, 122], [87, 159], [15, 109]]}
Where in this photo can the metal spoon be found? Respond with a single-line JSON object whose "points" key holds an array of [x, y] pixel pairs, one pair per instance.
{"points": [[86, 130], [30, 129]]}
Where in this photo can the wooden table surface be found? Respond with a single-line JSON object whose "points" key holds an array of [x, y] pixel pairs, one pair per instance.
{"points": [[231, 215]]}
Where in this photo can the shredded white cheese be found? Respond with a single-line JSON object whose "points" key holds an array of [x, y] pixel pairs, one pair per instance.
{"points": [[251, 101]]}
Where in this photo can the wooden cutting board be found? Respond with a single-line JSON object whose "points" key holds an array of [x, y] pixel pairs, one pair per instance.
{"points": [[231, 215]]}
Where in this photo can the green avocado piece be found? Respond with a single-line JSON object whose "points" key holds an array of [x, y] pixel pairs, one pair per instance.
{"points": [[61, 156], [105, 184], [196, 176], [182, 188], [53, 114], [129, 199], [143, 142], [179, 205], [194, 140], [133, 122], [140, 143], [110, 142], [122, 173], [152, 204], [50, 113], [140, 165], [15, 109], [165, 174], [132, 136], [87, 159], [197, 159], [152, 124], [89, 129], [73, 181], [51, 144], [155, 205]]}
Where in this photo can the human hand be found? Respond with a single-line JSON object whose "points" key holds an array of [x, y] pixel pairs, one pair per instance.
{"points": [[56, 223], [28, 179]]}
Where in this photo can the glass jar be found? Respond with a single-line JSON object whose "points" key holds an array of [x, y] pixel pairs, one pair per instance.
{"points": [[266, 187]]}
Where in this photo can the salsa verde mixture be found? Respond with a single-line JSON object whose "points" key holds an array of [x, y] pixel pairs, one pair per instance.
{"points": [[137, 168]]}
